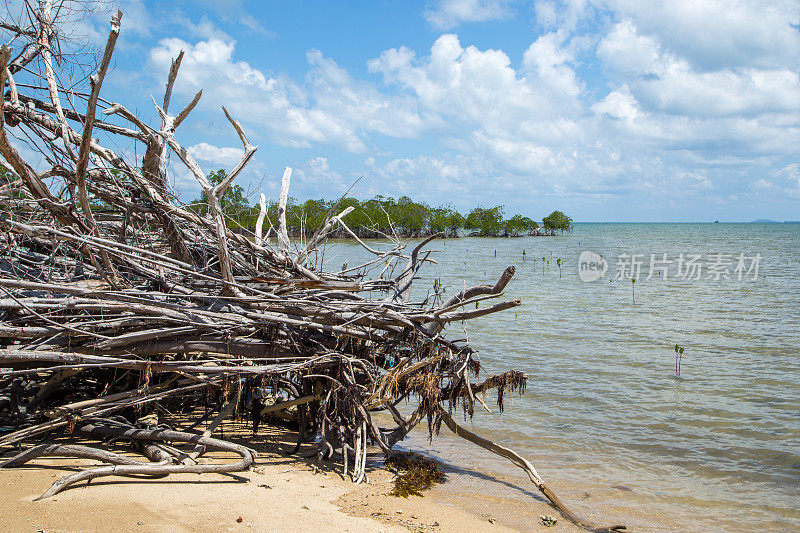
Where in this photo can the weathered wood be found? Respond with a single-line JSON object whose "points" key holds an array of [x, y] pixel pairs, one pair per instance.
{"points": [[136, 302], [153, 470], [283, 234]]}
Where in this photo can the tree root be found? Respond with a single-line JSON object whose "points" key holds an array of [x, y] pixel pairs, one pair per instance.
{"points": [[128, 469]]}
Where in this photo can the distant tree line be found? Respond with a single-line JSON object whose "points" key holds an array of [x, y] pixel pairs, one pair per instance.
{"points": [[380, 216]]}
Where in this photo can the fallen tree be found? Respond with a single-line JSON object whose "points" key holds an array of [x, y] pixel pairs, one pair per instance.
{"points": [[152, 305]]}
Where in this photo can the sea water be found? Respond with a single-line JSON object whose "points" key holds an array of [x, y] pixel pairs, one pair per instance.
{"points": [[605, 414]]}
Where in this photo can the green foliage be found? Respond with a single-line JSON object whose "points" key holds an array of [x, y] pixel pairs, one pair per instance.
{"points": [[678, 356], [557, 221], [518, 225], [99, 206], [377, 217], [6, 175], [486, 222]]}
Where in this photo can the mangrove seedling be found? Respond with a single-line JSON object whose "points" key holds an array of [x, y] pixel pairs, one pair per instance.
{"points": [[678, 356], [633, 290], [558, 262]]}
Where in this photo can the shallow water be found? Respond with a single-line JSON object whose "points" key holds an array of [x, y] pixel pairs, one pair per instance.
{"points": [[716, 449]]}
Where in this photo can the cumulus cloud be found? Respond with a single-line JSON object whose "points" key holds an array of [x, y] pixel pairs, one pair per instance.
{"points": [[447, 14], [223, 156], [606, 100], [314, 175], [436, 180], [713, 115], [549, 63], [665, 82], [716, 34], [564, 15], [480, 89], [629, 53], [328, 107], [788, 177], [619, 104]]}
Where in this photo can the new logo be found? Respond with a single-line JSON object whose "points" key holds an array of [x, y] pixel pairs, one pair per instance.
{"points": [[591, 266]]}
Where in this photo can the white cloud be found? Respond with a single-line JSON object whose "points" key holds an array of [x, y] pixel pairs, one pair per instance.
{"points": [[548, 62], [430, 166], [789, 177], [447, 14], [205, 29], [646, 114], [224, 156], [694, 180], [525, 157], [723, 93], [319, 164], [629, 53], [564, 15], [136, 19], [330, 107], [481, 86], [749, 110], [546, 13], [619, 104], [718, 34], [314, 176], [436, 180]]}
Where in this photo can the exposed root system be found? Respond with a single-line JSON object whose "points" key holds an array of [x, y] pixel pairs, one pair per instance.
{"points": [[118, 302]]}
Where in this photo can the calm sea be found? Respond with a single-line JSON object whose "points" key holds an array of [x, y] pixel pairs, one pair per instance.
{"points": [[605, 416]]}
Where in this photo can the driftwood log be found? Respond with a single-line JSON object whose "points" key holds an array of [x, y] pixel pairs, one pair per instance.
{"points": [[116, 298]]}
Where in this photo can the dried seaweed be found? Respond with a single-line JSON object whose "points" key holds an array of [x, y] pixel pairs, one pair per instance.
{"points": [[415, 473]]}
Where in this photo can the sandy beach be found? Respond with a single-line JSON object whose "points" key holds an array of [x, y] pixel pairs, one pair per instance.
{"points": [[278, 494]]}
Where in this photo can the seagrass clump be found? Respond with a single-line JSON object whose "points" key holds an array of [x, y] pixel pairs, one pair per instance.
{"points": [[415, 474]]}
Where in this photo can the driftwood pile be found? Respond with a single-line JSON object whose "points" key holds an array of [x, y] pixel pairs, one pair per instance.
{"points": [[117, 301]]}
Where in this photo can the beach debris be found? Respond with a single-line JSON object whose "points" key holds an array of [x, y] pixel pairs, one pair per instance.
{"points": [[124, 310], [548, 520], [415, 473]]}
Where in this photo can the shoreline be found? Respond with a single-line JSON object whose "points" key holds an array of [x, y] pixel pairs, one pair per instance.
{"points": [[278, 493]]}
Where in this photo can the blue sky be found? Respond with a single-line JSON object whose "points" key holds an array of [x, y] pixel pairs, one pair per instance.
{"points": [[612, 110]]}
